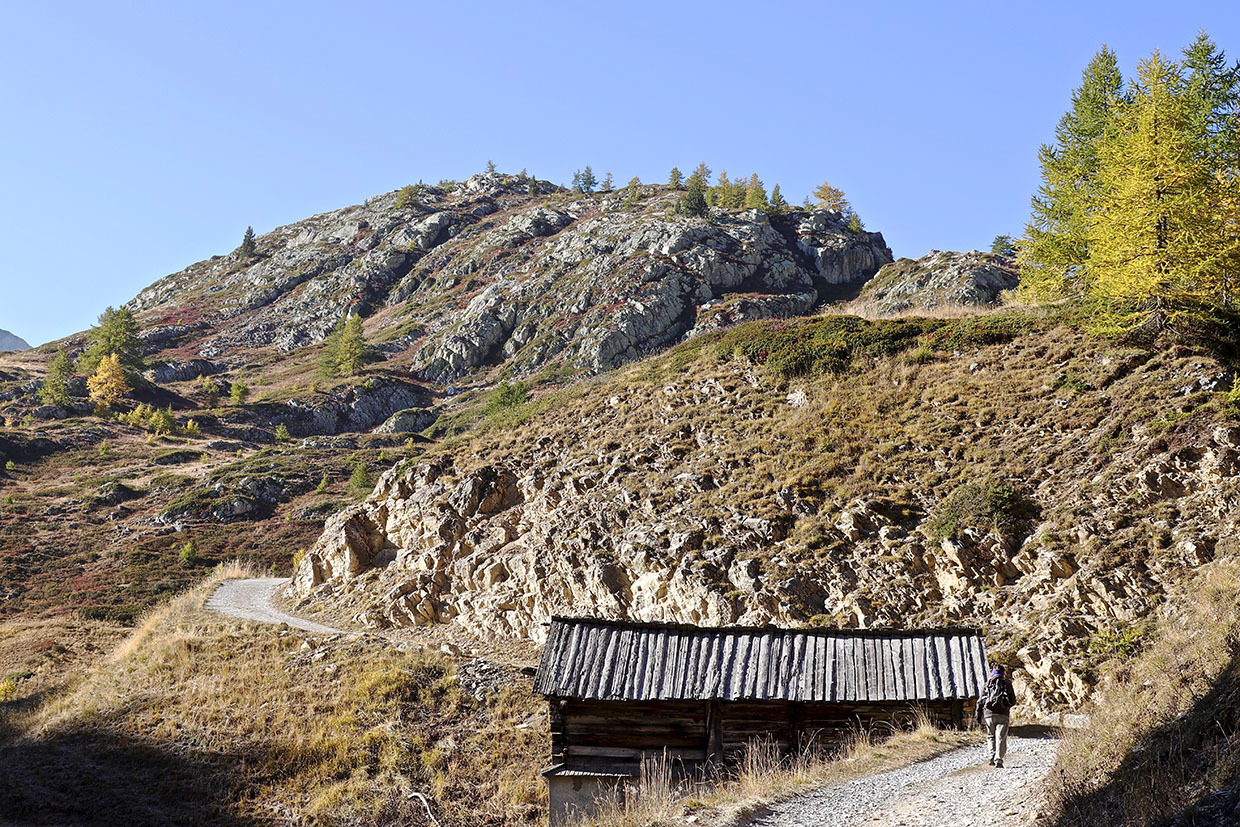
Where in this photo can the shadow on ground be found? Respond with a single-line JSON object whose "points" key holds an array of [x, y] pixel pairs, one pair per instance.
{"points": [[1185, 773], [105, 779]]}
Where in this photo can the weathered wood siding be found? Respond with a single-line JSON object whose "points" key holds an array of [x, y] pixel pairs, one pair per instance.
{"points": [[616, 736]]}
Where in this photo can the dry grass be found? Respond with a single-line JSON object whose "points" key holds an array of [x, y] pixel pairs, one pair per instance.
{"points": [[764, 777], [233, 723], [1166, 732]]}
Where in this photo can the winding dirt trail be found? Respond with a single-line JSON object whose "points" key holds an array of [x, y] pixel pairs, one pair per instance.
{"points": [[957, 789], [251, 599]]}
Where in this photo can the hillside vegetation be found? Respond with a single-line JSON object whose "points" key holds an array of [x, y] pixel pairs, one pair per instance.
{"points": [[196, 718], [1005, 471], [1163, 746]]}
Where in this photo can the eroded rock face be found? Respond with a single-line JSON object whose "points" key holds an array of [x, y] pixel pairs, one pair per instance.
{"points": [[498, 549], [940, 279], [491, 274]]}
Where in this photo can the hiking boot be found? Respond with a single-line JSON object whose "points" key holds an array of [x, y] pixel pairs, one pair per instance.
{"points": [[991, 760], [999, 763]]}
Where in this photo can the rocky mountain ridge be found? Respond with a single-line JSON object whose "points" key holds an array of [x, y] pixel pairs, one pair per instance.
{"points": [[505, 270], [940, 280], [10, 341]]}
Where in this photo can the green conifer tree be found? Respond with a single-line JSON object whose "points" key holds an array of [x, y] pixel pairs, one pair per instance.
{"points": [[1003, 245], [588, 181], [360, 481], [116, 333], [693, 202], [55, 387], [490, 167], [247, 250], [675, 180], [779, 204], [607, 182], [1212, 90], [1055, 250]]}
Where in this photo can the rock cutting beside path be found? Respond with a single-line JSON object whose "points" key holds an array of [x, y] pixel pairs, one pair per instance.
{"points": [[957, 789], [250, 599]]}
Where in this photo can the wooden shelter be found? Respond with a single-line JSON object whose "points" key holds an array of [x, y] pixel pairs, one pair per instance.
{"points": [[621, 693]]}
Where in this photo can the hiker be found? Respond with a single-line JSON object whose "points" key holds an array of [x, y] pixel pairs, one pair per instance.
{"points": [[992, 708]]}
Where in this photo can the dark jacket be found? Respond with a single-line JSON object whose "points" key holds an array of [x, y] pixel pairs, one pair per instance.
{"points": [[999, 689]]}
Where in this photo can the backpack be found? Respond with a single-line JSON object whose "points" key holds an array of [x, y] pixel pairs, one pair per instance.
{"points": [[997, 697]]}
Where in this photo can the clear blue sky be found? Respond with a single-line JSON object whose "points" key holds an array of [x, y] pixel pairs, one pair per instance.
{"points": [[140, 137]]}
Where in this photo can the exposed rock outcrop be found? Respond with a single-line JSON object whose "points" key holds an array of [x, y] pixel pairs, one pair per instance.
{"points": [[560, 528], [940, 279], [485, 272]]}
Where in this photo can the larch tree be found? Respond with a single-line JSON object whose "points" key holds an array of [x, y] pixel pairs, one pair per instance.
{"points": [[675, 180], [832, 198], [1156, 251], [1055, 248], [702, 173], [108, 385], [729, 194], [632, 193], [755, 194], [331, 348], [351, 348], [607, 182]]}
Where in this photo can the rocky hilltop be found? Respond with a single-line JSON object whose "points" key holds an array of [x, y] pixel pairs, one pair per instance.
{"points": [[8, 341], [507, 270], [976, 485], [940, 280]]}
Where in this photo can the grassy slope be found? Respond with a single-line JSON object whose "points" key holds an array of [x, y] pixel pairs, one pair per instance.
{"points": [[199, 719], [1164, 740], [765, 777], [905, 413]]}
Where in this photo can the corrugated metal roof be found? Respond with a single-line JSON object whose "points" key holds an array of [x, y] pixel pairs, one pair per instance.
{"points": [[616, 660]]}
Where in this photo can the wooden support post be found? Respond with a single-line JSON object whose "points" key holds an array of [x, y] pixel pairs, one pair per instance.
{"points": [[714, 736], [796, 715], [559, 739]]}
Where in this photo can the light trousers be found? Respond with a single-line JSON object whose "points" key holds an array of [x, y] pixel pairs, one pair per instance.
{"points": [[996, 735]]}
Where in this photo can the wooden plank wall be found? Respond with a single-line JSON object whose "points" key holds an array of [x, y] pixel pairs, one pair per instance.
{"points": [[616, 736]]}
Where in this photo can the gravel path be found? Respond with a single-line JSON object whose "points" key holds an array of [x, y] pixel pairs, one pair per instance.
{"points": [[251, 600], [957, 789]]}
